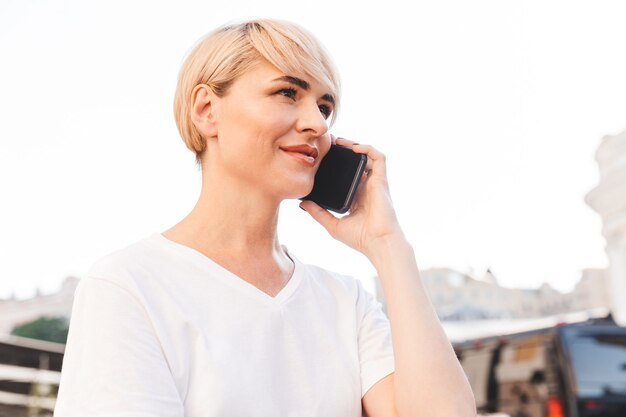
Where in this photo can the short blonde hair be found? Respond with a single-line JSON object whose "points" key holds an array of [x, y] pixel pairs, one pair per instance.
{"points": [[226, 53]]}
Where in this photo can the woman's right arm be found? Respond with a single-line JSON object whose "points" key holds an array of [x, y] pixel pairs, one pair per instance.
{"points": [[113, 363]]}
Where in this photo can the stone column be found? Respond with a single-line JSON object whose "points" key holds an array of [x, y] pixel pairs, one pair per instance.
{"points": [[608, 198]]}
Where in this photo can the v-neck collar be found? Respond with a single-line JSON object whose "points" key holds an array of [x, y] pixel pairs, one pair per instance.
{"points": [[231, 279]]}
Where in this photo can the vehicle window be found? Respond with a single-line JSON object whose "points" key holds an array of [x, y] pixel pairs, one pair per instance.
{"points": [[599, 364]]}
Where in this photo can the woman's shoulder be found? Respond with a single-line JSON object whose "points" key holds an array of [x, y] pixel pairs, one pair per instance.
{"points": [[121, 265]]}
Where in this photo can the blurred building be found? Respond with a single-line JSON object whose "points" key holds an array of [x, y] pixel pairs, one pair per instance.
{"points": [[458, 296], [17, 312], [608, 198]]}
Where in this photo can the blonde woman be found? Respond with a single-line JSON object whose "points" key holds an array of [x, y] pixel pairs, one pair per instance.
{"points": [[214, 317]]}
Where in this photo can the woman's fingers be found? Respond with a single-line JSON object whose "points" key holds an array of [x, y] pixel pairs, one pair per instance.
{"points": [[371, 152], [344, 142], [376, 163], [375, 159]]}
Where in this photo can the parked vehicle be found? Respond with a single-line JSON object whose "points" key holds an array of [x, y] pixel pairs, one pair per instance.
{"points": [[569, 370]]}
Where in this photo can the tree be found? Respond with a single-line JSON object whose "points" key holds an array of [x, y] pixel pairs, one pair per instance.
{"points": [[52, 329]]}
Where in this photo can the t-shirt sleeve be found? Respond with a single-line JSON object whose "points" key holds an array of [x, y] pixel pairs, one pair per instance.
{"points": [[113, 363], [374, 340]]}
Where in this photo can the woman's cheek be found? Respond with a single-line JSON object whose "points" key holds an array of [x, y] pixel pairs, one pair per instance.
{"points": [[325, 144]]}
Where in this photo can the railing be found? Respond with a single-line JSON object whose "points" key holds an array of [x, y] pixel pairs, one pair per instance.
{"points": [[30, 372]]}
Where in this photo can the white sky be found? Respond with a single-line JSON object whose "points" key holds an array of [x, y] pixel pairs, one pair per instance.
{"points": [[489, 112]]}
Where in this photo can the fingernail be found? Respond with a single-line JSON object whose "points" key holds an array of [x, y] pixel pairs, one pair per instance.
{"points": [[302, 208]]}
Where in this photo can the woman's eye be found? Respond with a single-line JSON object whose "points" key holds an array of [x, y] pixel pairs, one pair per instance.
{"points": [[325, 110], [288, 92]]}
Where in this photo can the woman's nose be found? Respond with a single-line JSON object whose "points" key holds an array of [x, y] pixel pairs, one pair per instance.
{"points": [[311, 119]]}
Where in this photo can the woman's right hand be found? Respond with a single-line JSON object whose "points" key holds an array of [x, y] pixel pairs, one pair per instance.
{"points": [[371, 219]]}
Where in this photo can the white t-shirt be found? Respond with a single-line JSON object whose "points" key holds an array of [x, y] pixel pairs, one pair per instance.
{"points": [[160, 330]]}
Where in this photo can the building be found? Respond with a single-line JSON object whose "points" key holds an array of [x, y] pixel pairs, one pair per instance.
{"points": [[16, 312], [458, 296], [608, 198]]}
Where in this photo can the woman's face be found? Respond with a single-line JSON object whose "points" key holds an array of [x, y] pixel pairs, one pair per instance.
{"points": [[272, 131]]}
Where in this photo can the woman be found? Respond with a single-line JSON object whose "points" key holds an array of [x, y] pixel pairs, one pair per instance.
{"points": [[214, 317]]}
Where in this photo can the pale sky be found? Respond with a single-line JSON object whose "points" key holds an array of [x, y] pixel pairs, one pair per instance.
{"points": [[489, 113]]}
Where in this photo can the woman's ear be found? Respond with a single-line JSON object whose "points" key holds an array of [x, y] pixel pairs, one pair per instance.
{"points": [[203, 101]]}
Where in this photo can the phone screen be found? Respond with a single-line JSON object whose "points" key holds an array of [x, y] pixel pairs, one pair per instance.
{"points": [[337, 179]]}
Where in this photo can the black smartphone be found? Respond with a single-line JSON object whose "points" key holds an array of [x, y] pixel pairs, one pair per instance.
{"points": [[337, 179]]}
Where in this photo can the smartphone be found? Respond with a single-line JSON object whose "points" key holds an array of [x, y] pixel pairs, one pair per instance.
{"points": [[337, 179]]}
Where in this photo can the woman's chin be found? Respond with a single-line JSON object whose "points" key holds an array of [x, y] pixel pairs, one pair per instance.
{"points": [[299, 190]]}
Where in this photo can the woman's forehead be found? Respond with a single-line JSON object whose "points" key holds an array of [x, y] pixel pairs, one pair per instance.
{"points": [[268, 73]]}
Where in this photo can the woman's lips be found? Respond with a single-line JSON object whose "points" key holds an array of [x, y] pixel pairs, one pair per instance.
{"points": [[306, 154]]}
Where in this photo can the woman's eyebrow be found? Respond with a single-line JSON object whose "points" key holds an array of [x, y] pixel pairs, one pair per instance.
{"points": [[328, 98], [304, 85], [294, 80]]}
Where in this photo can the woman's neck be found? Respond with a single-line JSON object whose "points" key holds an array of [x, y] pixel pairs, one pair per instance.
{"points": [[233, 219]]}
